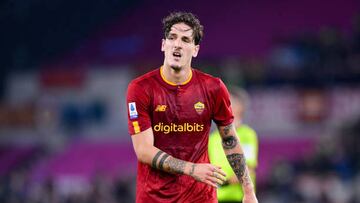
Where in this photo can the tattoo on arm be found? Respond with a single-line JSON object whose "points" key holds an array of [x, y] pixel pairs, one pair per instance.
{"points": [[247, 179], [156, 157], [161, 163], [175, 165], [227, 129], [192, 172], [169, 164], [192, 169], [229, 142], [237, 162]]}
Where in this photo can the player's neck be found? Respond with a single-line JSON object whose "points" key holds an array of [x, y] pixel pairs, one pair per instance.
{"points": [[177, 77]]}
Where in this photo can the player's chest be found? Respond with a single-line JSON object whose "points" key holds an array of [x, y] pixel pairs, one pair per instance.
{"points": [[181, 104]]}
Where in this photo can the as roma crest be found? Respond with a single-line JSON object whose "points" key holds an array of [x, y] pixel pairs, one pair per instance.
{"points": [[199, 107]]}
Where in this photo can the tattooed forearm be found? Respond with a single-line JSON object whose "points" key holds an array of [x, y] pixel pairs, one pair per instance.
{"points": [[246, 178], [237, 162], [229, 142], [227, 129], [236, 158], [161, 163], [175, 165], [155, 159], [168, 163]]}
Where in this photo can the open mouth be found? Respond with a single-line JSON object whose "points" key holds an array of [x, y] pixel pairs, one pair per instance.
{"points": [[177, 55]]}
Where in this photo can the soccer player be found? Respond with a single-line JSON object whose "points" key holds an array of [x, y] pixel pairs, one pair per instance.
{"points": [[170, 110], [231, 191]]}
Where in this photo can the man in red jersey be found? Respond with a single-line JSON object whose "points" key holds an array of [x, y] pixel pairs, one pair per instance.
{"points": [[170, 110]]}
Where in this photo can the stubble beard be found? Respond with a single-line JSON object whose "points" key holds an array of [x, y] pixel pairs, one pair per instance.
{"points": [[176, 68]]}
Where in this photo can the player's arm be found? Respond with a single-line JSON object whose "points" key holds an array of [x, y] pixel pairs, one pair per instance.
{"points": [[236, 158], [235, 180], [251, 160], [147, 153]]}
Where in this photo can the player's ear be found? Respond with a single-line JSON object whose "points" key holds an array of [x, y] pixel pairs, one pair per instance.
{"points": [[162, 45], [196, 51]]}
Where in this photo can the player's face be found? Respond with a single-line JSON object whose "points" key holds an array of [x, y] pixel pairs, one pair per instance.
{"points": [[179, 47]]}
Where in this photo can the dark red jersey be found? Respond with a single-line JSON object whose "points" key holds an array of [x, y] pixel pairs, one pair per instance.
{"points": [[180, 117]]}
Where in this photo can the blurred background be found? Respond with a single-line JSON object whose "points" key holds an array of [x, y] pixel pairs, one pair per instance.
{"points": [[65, 66]]}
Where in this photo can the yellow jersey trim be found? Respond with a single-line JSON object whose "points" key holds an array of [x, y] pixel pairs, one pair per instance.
{"points": [[171, 83], [136, 127]]}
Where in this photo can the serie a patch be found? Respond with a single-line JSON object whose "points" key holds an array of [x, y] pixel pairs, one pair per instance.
{"points": [[132, 110]]}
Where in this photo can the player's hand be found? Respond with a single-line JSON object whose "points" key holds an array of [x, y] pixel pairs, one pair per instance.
{"points": [[209, 174]]}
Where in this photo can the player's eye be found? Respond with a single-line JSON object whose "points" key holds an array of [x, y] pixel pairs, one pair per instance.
{"points": [[171, 37], [186, 39]]}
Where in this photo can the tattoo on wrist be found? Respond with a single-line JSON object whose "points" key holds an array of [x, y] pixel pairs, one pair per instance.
{"points": [[192, 172], [156, 157], [229, 142], [238, 164], [175, 165], [192, 169], [161, 163]]}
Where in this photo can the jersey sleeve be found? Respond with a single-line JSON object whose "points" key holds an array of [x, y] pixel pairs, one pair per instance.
{"points": [[223, 115], [138, 104]]}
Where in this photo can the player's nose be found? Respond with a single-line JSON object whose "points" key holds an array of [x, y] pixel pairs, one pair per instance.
{"points": [[177, 43]]}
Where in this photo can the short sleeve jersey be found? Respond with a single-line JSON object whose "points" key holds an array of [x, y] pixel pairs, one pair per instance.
{"points": [[180, 117]]}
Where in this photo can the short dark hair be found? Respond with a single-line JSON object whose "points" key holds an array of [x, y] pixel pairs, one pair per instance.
{"points": [[187, 18]]}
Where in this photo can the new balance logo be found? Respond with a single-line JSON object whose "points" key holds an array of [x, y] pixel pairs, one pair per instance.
{"points": [[160, 108]]}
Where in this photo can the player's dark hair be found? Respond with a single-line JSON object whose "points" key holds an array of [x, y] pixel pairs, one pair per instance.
{"points": [[187, 18]]}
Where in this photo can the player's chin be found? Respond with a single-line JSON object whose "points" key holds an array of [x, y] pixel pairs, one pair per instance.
{"points": [[176, 67]]}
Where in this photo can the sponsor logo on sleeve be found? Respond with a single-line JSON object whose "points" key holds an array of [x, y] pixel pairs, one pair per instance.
{"points": [[132, 110]]}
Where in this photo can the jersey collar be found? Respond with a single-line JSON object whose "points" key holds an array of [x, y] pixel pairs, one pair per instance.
{"points": [[171, 83]]}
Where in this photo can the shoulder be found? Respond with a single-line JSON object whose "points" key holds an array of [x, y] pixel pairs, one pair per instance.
{"points": [[206, 77], [144, 80], [209, 80], [141, 87]]}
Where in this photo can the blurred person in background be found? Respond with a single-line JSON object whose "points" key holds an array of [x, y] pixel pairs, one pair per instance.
{"points": [[231, 190], [170, 110]]}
